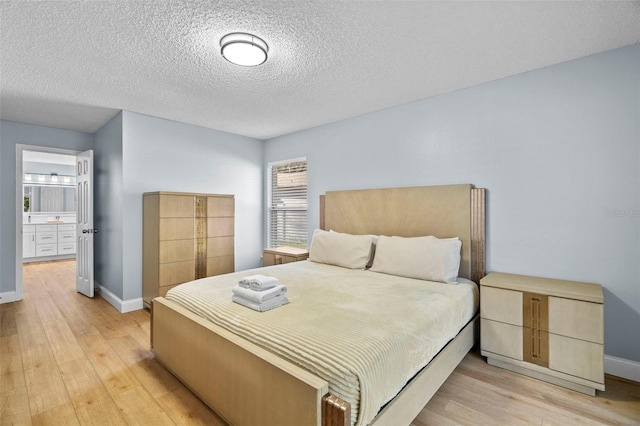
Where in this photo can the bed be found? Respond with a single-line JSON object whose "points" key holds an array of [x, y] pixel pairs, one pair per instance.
{"points": [[249, 381]]}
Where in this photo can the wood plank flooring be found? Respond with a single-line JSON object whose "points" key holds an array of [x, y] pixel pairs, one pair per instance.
{"points": [[67, 359]]}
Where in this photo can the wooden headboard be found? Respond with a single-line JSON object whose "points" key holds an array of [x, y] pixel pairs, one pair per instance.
{"points": [[442, 211]]}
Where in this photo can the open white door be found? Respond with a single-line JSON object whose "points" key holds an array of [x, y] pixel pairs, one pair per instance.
{"points": [[84, 224]]}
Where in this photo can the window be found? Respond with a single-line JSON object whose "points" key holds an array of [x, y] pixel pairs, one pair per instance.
{"points": [[287, 199]]}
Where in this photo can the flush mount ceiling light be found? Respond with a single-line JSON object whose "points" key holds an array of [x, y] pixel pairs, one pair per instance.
{"points": [[243, 49]]}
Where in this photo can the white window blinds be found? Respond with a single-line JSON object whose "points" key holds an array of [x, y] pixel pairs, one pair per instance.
{"points": [[288, 204]]}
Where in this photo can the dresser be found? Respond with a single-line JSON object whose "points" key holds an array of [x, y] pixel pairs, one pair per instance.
{"points": [[280, 255], [549, 329], [186, 236]]}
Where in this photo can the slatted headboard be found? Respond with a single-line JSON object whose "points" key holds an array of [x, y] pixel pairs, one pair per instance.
{"points": [[443, 211]]}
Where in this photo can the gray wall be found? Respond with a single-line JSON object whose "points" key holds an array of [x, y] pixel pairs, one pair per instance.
{"points": [[558, 151], [12, 134], [162, 155], [108, 215]]}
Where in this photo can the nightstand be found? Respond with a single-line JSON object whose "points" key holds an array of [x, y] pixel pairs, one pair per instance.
{"points": [[280, 255], [549, 329]]}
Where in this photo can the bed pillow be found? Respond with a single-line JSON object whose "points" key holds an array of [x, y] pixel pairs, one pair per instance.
{"points": [[337, 248], [372, 252], [425, 258]]}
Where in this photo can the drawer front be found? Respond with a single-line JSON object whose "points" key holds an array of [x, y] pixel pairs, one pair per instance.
{"points": [[46, 237], [177, 272], [46, 228], [220, 206], [220, 226], [46, 249], [500, 338], [177, 250], [66, 228], [287, 259], [220, 265], [220, 246], [577, 319], [576, 357], [501, 305], [177, 206], [66, 236], [28, 229], [177, 228], [268, 259], [66, 248]]}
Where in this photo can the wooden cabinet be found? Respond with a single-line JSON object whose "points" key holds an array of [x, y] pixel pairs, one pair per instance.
{"points": [[185, 237], [280, 255], [549, 329]]}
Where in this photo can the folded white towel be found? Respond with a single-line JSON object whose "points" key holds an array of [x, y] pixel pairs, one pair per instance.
{"points": [[258, 282], [260, 296], [260, 307]]}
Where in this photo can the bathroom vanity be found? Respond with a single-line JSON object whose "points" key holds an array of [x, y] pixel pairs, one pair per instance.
{"points": [[44, 239]]}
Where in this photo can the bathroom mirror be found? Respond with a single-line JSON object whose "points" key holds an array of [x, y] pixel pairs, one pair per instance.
{"points": [[49, 199]]}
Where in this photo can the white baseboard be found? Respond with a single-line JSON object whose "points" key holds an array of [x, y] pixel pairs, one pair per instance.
{"points": [[7, 297], [621, 367], [132, 305], [122, 306]]}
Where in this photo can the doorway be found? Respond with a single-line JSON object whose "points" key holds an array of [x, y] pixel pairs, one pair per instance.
{"points": [[45, 208]]}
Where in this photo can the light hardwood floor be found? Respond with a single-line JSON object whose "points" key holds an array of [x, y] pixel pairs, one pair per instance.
{"points": [[66, 359]]}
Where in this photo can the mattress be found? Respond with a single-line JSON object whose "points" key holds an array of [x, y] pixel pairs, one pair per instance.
{"points": [[366, 333]]}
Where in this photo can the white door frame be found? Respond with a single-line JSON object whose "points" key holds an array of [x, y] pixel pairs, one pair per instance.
{"points": [[20, 148]]}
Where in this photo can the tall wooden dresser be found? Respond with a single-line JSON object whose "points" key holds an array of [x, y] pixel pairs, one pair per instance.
{"points": [[185, 237]]}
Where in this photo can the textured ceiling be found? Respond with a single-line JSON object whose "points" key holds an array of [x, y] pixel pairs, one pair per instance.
{"points": [[75, 64]]}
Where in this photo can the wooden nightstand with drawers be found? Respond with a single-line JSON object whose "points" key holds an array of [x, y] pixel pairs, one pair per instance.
{"points": [[280, 255], [549, 329]]}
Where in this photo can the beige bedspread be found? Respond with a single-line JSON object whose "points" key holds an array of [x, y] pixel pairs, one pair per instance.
{"points": [[366, 333]]}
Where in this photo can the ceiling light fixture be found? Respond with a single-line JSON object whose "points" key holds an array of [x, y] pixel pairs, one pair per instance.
{"points": [[243, 49]]}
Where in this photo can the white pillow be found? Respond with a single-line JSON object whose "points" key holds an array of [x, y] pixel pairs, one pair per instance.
{"points": [[336, 248], [372, 252], [425, 258]]}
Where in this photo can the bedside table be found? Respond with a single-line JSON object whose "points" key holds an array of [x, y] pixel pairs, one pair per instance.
{"points": [[280, 255], [552, 330]]}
